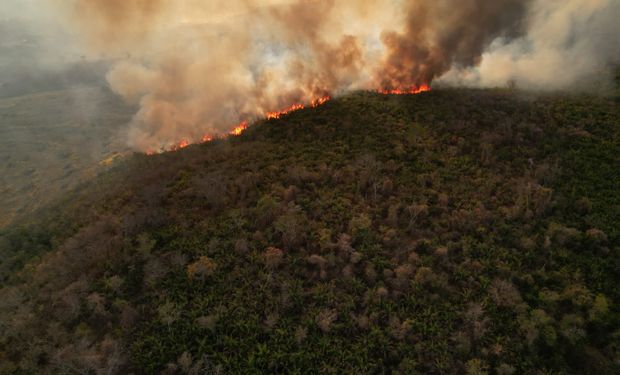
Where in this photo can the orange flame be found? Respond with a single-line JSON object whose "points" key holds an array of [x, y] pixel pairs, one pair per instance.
{"points": [[410, 91], [184, 143], [278, 114], [239, 128], [320, 101], [296, 107]]}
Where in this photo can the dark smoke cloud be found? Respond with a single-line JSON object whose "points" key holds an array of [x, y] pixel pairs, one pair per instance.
{"points": [[198, 68], [441, 34]]}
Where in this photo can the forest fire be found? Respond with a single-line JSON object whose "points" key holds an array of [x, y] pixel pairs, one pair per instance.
{"points": [[184, 143], [296, 107], [242, 126], [278, 114], [412, 91], [237, 130], [320, 101]]}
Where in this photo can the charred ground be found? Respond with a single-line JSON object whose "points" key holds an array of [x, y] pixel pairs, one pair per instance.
{"points": [[455, 231]]}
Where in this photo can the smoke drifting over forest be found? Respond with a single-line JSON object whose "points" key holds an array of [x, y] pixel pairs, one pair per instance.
{"points": [[201, 67]]}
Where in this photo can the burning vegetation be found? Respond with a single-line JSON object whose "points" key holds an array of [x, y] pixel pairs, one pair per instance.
{"points": [[241, 127]]}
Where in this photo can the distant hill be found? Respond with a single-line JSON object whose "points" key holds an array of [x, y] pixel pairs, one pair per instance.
{"points": [[455, 231], [52, 140]]}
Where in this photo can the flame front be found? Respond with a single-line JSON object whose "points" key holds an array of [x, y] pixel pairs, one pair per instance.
{"points": [[320, 101], [242, 126], [278, 114], [184, 143], [296, 107], [411, 91], [237, 130]]}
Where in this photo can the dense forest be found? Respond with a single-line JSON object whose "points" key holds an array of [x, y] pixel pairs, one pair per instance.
{"points": [[458, 231]]}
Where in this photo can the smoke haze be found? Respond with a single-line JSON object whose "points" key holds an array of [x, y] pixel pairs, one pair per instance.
{"points": [[198, 68]]}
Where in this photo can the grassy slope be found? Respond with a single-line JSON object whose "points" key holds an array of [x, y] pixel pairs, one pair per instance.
{"points": [[457, 230]]}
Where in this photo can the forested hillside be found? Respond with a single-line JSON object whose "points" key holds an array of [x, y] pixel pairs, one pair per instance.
{"points": [[454, 231]]}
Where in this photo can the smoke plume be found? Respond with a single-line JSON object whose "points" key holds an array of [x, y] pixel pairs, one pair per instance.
{"points": [[199, 68], [568, 44]]}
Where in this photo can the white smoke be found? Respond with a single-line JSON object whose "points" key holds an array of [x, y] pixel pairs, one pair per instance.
{"points": [[567, 42]]}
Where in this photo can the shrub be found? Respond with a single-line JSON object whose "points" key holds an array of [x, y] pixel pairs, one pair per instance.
{"points": [[154, 270], [344, 243], [185, 361], [290, 226], [416, 212], [271, 320], [168, 313], [317, 260], [583, 205], [441, 251], [300, 334], [114, 283], [539, 324], [599, 309], [266, 210], [596, 235], [370, 273], [399, 330], [359, 224], [325, 318], [392, 215], [505, 369], [561, 235], [571, 327], [273, 257], [578, 295], [356, 257], [504, 293], [208, 321], [201, 269], [424, 276], [325, 239], [241, 246], [145, 244], [476, 367], [404, 271], [413, 258]]}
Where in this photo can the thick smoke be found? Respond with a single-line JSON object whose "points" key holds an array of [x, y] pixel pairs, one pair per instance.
{"points": [[198, 68], [441, 34]]}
